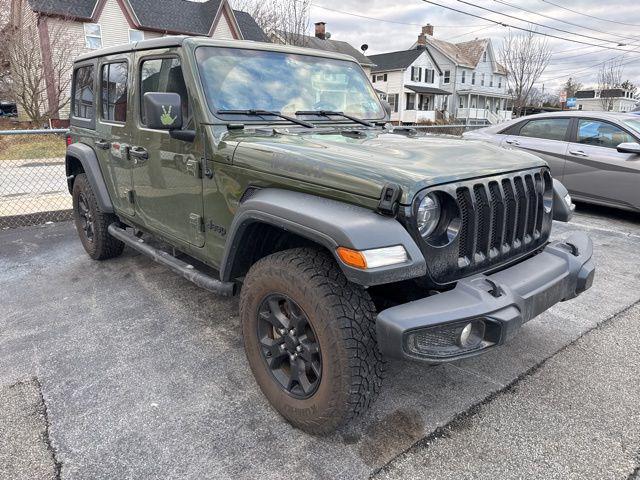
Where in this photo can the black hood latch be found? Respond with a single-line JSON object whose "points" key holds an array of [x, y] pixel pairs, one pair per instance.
{"points": [[389, 199]]}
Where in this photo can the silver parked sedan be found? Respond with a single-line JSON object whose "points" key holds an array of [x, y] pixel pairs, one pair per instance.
{"points": [[596, 155]]}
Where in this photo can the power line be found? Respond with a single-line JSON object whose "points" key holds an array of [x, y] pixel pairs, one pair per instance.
{"points": [[387, 21], [590, 16], [521, 28], [539, 24], [469, 33], [563, 21]]}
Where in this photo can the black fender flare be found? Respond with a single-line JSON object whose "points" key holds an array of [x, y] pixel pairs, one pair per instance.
{"points": [[561, 211], [87, 157], [331, 224]]}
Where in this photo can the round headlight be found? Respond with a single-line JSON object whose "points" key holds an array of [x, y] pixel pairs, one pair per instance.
{"points": [[428, 215]]}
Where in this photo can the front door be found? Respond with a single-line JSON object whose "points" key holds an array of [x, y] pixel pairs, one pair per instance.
{"points": [[596, 171], [546, 138], [166, 171]]}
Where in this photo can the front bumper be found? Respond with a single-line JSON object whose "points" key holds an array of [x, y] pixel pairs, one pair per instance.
{"points": [[500, 303]]}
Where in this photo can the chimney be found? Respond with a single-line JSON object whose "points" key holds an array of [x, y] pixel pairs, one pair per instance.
{"points": [[320, 30], [428, 30], [422, 42]]}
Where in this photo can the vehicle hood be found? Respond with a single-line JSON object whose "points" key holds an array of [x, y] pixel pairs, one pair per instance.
{"points": [[362, 164]]}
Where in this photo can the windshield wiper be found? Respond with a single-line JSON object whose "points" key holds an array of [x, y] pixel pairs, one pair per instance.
{"points": [[329, 113], [259, 113]]}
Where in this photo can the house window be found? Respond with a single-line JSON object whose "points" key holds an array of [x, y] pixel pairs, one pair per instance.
{"points": [[83, 92], [484, 56], [429, 75], [416, 74], [93, 35], [464, 76], [135, 36], [482, 80], [411, 101], [113, 91], [447, 76], [499, 82], [491, 81], [424, 102], [473, 78], [393, 101], [461, 102]]}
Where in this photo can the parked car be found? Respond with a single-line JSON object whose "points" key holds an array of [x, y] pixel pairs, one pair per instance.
{"points": [[596, 155], [347, 241]]}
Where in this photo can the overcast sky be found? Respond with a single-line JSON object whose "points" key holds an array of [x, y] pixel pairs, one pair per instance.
{"points": [[570, 59]]}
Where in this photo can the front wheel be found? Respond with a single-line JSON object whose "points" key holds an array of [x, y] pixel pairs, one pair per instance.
{"points": [[310, 339]]}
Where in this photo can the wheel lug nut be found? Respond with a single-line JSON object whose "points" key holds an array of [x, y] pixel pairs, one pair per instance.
{"points": [[299, 348], [292, 332], [292, 357], [283, 346], [282, 331]]}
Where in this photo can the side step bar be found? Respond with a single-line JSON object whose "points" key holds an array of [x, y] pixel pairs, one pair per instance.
{"points": [[188, 271]]}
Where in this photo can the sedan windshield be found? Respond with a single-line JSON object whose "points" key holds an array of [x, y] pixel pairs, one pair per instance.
{"points": [[238, 79]]}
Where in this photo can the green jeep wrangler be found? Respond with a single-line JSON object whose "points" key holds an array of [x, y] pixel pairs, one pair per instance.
{"points": [[274, 172]]}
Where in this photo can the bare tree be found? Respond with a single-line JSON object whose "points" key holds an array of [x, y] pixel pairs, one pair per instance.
{"points": [[609, 77], [285, 21], [570, 87], [5, 66], [40, 71], [525, 57]]}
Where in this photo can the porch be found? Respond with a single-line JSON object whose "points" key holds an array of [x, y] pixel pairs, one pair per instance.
{"points": [[424, 104], [492, 108]]}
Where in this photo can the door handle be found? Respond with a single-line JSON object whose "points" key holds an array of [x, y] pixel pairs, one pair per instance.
{"points": [[512, 142], [139, 153], [102, 144], [578, 153]]}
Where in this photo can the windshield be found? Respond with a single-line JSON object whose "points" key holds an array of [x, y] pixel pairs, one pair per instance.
{"points": [[238, 79], [633, 124]]}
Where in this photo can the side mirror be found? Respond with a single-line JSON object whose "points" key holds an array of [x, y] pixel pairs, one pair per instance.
{"points": [[387, 108], [629, 147], [162, 111]]}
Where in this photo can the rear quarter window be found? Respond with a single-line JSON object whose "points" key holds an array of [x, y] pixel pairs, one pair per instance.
{"points": [[83, 92], [546, 128]]}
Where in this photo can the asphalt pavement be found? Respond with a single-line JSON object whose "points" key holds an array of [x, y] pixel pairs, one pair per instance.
{"points": [[143, 375]]}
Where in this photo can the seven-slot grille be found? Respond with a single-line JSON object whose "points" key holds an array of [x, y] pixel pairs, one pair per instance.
{"points": [[499, 217]]}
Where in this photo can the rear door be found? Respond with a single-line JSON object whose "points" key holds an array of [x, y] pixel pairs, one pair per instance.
{"points": [[596, 171], [114, 129], [544, 137], [166, 171]]}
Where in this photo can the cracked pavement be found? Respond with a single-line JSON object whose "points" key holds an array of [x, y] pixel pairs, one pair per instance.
{"points": [[143, 374]]}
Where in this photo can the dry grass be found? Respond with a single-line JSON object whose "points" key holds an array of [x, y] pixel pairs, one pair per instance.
{"points": [[15, 147]]}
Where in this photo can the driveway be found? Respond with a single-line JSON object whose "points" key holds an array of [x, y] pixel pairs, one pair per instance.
{"points": [[142, 375]]}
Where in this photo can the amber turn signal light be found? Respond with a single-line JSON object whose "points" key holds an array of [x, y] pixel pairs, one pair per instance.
{"points": [[353, 258]]}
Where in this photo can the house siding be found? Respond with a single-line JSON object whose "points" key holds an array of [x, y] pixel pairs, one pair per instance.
{"points": [[223, 29]]}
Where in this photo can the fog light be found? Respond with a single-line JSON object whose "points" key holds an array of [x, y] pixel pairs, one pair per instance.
{"points": [[471, 334]]}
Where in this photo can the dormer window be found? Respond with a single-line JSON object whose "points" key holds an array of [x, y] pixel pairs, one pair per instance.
{"points": [[464, 76]]}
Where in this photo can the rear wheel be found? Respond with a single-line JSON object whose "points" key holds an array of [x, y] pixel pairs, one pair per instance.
{"points": [[310, 339], [92, 224]]}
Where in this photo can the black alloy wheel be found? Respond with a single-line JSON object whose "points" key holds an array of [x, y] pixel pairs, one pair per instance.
{"points": [[86, 217], [289, 346]]}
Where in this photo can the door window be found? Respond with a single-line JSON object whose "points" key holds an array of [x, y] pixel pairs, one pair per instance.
{"points": [[83, 92], [547, 128], [113, 91], [164, 75], [601, 134]]}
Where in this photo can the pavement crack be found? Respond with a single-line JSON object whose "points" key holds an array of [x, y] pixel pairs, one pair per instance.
{"points": [[46, 436], [458, 420]]}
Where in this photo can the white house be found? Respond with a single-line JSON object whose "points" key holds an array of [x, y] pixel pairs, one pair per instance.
{"points": [[472, 75], [613, 100], [410, 81]]}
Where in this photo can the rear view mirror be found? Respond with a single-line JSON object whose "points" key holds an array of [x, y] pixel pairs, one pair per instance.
{"points": [[162, 111], [628, 147]]}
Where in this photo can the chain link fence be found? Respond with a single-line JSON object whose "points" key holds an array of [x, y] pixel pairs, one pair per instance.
{"points": [[34, 191]]}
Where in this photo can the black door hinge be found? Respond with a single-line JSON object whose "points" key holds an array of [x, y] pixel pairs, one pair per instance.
{"points": [[131, 196], [389, 199]]}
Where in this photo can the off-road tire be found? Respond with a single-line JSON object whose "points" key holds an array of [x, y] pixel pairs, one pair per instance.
{"points": [[342, 315], [101, 245]]}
